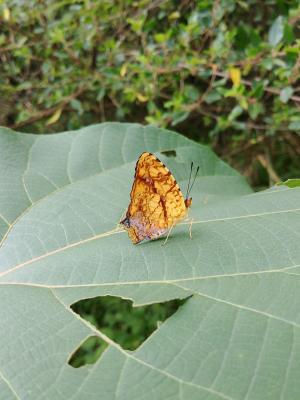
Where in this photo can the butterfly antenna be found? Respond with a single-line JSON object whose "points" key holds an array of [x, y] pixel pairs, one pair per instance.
{"points": [[195, 176], [187, 192]]}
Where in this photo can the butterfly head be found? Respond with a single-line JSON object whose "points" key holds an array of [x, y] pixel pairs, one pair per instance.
{"points": [[188, 202], [130, 229], [125, 222]]}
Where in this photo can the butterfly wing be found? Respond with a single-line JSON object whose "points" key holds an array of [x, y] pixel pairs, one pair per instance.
{"points": [[156, 200]]}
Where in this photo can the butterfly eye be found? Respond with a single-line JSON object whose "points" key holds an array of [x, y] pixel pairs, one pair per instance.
{"points": [[125, 222]]}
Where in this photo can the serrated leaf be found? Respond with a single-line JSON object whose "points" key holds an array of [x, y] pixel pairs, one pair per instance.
{"points": [[286, 93], [123, 70], [234, 113], [276, 31], [54, 117], [174, 15], [6, 14], [294, 125], [238, 337], [235, 76], [141, 98]]}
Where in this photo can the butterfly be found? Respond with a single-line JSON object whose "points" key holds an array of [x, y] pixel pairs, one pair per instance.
{"points": [[156, 201]]}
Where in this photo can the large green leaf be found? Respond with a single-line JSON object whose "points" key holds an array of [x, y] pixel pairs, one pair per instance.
{"points": [[61, 198]]}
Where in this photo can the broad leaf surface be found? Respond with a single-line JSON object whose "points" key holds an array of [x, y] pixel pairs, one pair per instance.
{"points": [[61, 198]]}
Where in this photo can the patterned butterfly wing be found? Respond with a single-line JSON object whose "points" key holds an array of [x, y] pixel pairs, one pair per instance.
{"points": [[156, 200]]}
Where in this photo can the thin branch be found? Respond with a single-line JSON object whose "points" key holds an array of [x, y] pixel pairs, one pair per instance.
{"points": [[166, 70], [49, 111], [247, 146], [266, 163], [266, 89], [250, 125]]}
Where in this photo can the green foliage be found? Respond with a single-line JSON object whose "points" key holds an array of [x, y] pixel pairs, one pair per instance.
{"points": [[222, 72], [291, 183], [238, 334], [159, 62], [122, 323]]}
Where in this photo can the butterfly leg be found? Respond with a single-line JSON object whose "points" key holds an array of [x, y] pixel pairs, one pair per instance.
{"points": [[190, 227], [190, 221], [166, 239]]}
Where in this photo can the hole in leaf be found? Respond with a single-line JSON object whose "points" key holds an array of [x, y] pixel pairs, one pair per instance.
{"points": [[115, 317], [88, 352], [169, 153]]}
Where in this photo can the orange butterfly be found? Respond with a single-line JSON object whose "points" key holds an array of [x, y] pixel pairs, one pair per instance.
{"points": [[156, 201]]}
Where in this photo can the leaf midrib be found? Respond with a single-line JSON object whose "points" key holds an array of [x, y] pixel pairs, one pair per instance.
{"points": [[160, 282], [71, 183], [116, 231]]}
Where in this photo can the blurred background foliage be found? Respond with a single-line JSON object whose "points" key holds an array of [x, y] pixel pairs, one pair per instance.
{"points": [[223, 72], [126, 325]]}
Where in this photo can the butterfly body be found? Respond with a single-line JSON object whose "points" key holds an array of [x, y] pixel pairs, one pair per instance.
{"points": [[156, 203]]}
